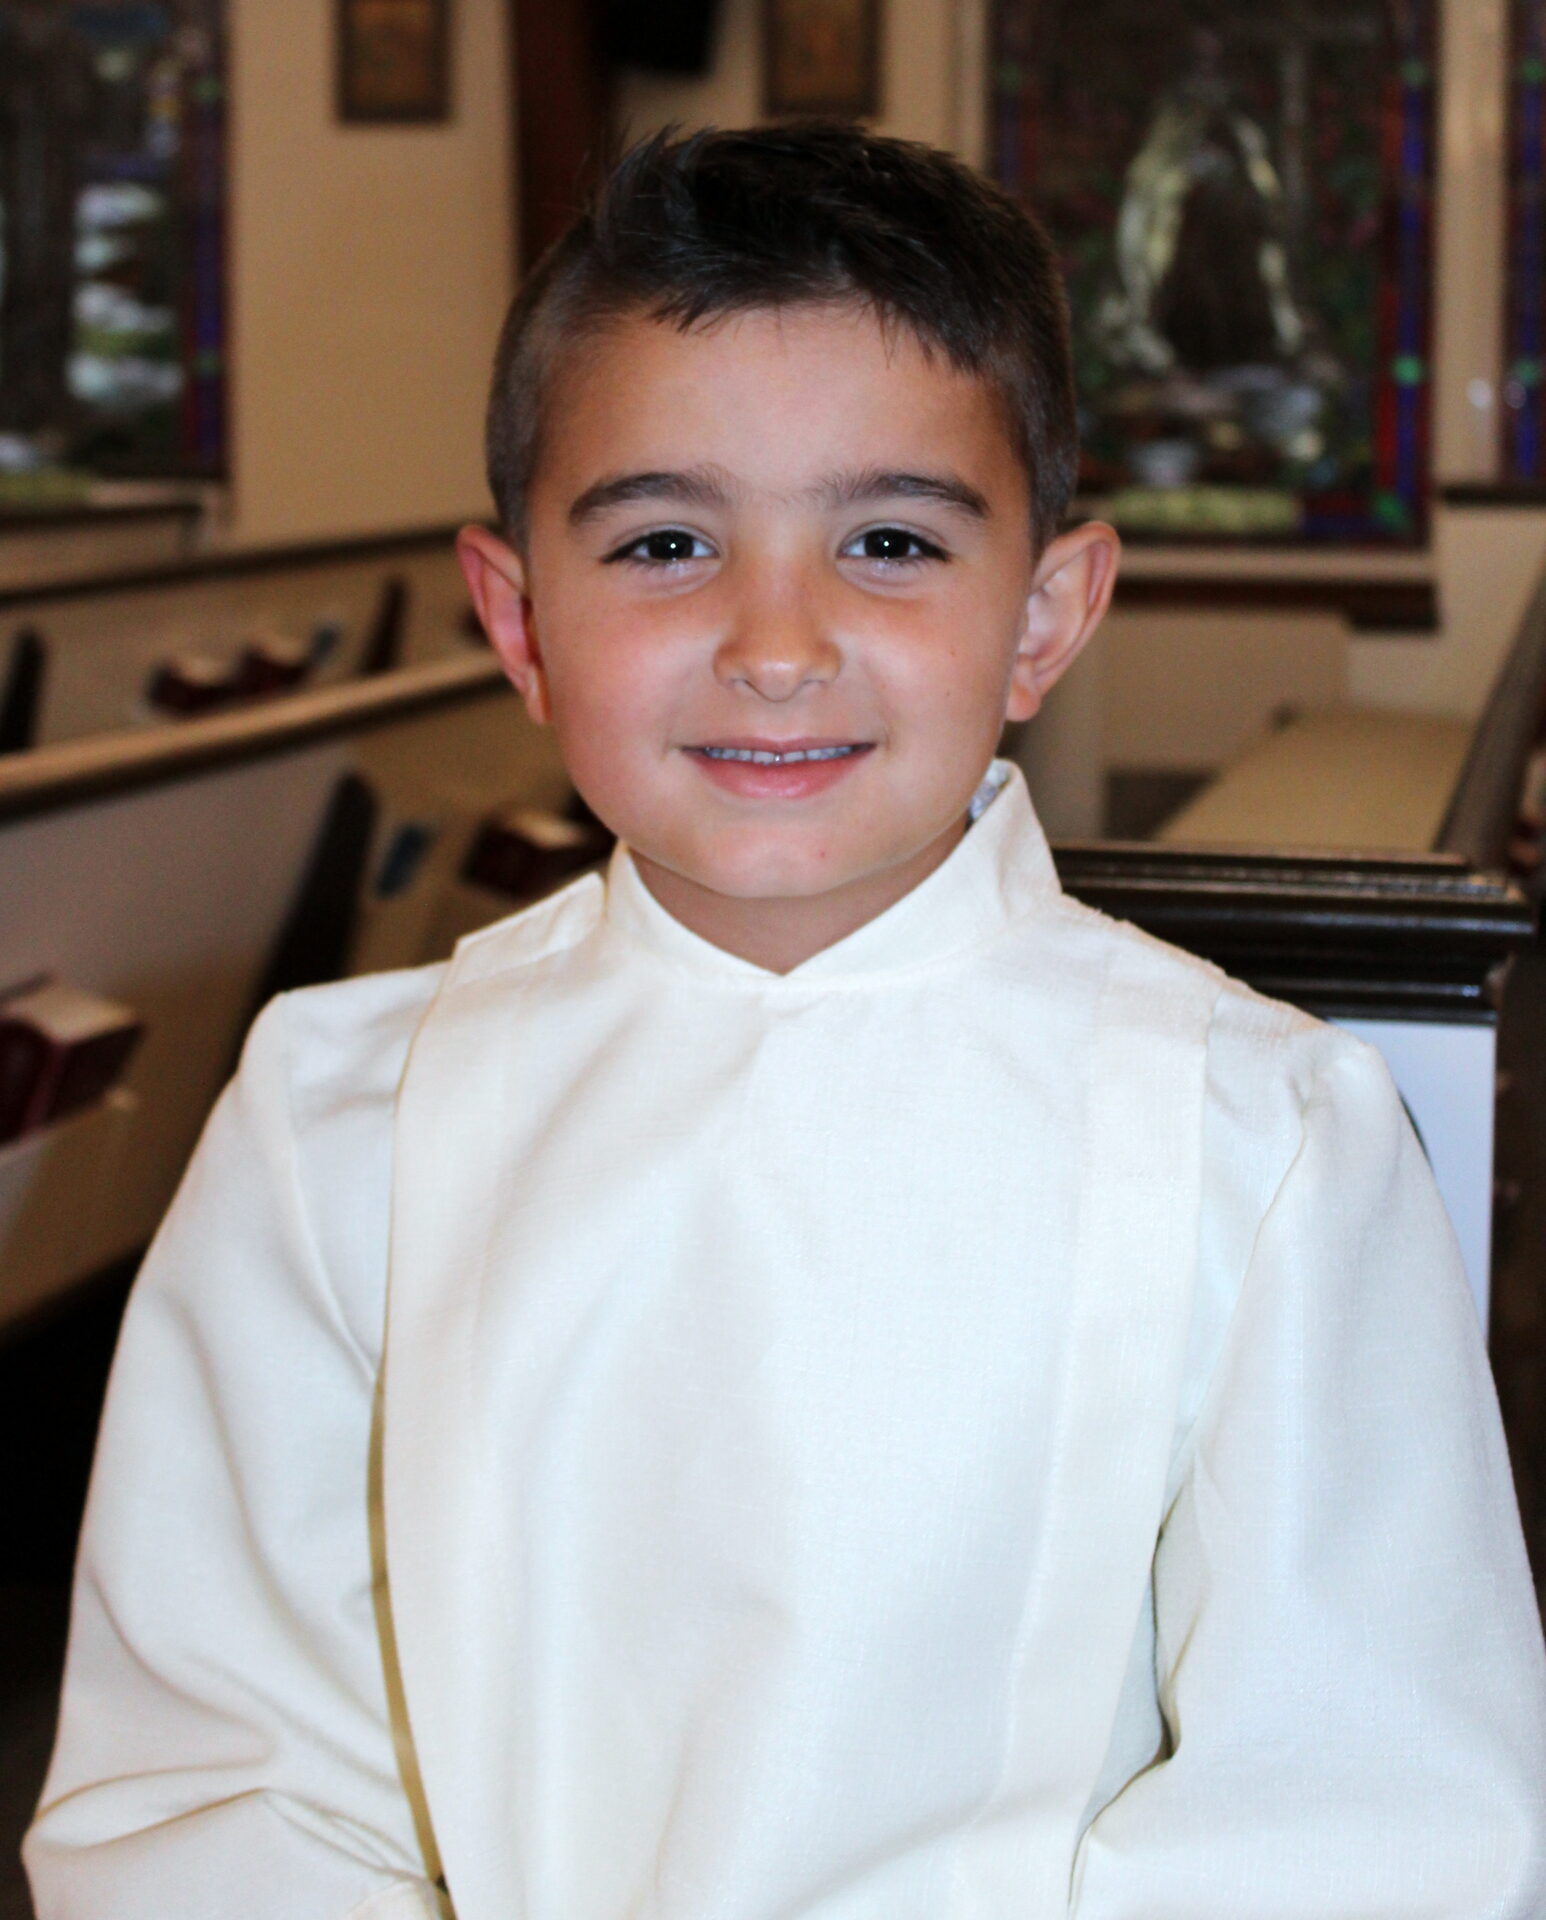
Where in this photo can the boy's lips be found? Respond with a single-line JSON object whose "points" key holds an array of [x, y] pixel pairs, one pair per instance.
{"points": [[778, 769]]}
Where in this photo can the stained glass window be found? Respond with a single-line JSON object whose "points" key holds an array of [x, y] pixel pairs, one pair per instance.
{"points": [[111, 213], [1242, 198]]}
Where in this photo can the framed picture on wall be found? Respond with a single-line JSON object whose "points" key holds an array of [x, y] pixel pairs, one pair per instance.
{"points": [[394, 60], [821, 56]]}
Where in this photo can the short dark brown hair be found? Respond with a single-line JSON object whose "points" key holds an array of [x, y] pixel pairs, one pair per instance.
{"points": [[689, 230]]}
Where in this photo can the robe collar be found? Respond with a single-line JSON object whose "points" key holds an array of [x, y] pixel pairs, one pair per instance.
{"points": [[1000, 872]]}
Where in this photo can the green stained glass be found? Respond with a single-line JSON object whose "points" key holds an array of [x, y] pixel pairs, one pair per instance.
{"points": [[1392, 512]]}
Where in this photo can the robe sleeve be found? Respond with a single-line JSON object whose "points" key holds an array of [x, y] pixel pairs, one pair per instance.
{"points": [[1348, 1657], [226, 1748]]}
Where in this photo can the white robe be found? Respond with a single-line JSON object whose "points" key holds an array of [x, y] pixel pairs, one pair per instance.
{"points": [[986, 1426]]}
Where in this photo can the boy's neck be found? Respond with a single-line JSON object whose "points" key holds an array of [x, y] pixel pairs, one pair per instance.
{"points": [[780, 932]]}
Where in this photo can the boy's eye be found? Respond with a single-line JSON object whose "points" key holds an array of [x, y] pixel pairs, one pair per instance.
{"points": [[664, 547], [892, 543]]}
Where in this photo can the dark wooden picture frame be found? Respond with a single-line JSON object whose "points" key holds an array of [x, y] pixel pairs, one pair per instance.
{"points": [[821, 56], [394, 61]]}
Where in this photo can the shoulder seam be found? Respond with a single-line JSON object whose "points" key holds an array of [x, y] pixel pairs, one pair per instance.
{"points": [[1316, 1095]]}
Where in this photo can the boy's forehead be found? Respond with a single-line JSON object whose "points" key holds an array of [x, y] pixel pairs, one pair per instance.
{"points": [[787, 388]]}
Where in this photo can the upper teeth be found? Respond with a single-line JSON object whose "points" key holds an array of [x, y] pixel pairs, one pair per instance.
{"points": [[762, 757]]}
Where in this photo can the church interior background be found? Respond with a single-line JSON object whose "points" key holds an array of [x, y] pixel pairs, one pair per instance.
{"points": [[253, 257]]}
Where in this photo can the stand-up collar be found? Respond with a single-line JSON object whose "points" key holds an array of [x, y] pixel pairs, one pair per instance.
{"points": [[1000, 871]]}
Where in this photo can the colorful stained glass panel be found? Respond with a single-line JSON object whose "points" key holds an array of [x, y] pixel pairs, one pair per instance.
{"points": [[1242, 199], [112, 201]]}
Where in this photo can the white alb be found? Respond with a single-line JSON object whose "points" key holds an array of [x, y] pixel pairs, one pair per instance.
{"points": [[989, 1425]]}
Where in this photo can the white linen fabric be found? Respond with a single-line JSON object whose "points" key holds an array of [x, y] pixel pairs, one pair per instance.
{"points": [[988, 1425]]}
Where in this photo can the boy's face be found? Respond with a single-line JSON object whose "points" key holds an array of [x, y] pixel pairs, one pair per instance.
{"points": [[786, 534]]}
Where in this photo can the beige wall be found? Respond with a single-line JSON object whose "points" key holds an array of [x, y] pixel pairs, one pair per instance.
{"points": [[370, 267]]}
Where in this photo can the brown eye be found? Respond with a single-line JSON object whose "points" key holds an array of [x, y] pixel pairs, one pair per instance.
{"points": [[670, 545], [664, 547], [893, 544]]}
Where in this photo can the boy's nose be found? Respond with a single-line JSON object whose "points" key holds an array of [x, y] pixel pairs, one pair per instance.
{"points": [[776, 649]]}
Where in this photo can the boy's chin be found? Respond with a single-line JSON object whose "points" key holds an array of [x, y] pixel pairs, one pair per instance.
{"points": [[757, 872], [808, 872], [750, 881]]}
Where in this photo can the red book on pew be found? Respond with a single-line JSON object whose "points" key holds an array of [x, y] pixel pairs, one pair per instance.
{"points": [[60, 1049]]}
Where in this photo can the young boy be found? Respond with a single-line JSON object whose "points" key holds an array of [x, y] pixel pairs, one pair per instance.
{"points": [[815, 1377]]}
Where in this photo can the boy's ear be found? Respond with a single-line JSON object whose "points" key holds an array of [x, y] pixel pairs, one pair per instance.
{"points": [[496, 578], [1070, 592]]}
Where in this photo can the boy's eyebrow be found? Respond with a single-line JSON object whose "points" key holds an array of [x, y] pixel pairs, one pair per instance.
{"points": [[708, 487], [879, 483], [696, 487]]}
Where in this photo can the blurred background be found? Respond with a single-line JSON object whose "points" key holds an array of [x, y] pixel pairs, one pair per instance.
{"points": [[253, 258]]}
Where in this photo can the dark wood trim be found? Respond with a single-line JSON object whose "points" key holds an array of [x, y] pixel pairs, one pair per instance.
{"points": [[53, 519], [21, 693], [314, 943], [1368, 605], [235, 564], [1377, 937], [1087, 506], [562, 117], [1494, 493], [55, 778]]}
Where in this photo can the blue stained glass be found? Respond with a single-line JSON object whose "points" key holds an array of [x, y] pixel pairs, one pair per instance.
{"points": [[122, 26]]}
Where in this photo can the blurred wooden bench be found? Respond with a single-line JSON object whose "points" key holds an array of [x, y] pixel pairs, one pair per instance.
{"points": [[1351, 777], [1362, 778]]}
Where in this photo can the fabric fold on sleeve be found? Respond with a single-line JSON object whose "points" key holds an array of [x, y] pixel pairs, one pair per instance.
{"points": [[225, 1745]]}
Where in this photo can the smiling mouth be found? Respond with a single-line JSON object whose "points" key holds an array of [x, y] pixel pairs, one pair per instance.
{"points": [[781, 757]]}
